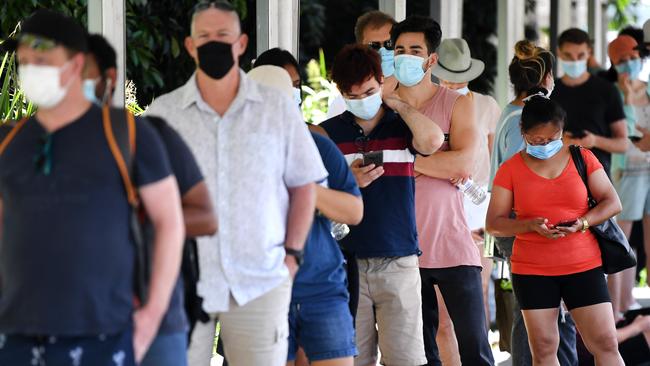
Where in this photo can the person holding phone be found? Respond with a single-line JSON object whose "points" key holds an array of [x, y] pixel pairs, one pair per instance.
{"points": [[389, 313], [555, 257], [595, 118], [530, 73]]}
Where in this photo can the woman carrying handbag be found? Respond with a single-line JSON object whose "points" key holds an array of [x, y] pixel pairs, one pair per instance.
{"points": [[556, 257]]}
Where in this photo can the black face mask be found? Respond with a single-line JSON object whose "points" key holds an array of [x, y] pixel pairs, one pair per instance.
{"points": [[215, 59]]}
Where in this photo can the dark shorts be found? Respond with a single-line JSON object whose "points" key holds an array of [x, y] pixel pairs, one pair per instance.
{"points": [[113, 350], [323, 329], [545, 292]]}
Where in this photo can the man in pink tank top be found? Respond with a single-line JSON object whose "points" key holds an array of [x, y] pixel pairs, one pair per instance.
{"points": [[449, 257]]}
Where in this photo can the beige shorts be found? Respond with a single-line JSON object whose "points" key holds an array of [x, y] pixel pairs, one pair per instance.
{"points": [[390, 312]]}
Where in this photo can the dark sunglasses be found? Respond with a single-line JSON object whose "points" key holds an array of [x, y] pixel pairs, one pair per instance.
{"points": [[43, 157], [378, 45]]}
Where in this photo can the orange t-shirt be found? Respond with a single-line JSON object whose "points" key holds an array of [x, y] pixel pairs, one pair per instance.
{"points": [[561, 199]]}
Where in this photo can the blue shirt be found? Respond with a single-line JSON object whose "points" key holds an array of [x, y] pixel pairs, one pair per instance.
{"points": [[322, 275], [66, 258], [388, 227], [187, 175], [508, 139]]}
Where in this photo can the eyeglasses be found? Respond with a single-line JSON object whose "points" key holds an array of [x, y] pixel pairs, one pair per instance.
{"points": [[38, 43], [378, 45], [43, 157], [361, 143], [540, 142]]}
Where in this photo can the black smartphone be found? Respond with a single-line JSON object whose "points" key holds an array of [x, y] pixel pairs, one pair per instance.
{"points": [[634, 138], [374, 157], [566, 223]]}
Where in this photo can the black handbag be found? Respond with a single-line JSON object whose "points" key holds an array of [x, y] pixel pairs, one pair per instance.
{"points": [[614, 247]]}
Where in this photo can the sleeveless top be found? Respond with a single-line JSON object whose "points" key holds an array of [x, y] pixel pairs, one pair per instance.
{"points": [[444, 236]]}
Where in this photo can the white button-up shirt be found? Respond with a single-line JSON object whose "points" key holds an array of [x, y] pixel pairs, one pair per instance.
{"points": [[250, 156]]}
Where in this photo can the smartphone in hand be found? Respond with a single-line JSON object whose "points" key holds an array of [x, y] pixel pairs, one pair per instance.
{"points": [[374, 157], [634, 138], [566, 223]]}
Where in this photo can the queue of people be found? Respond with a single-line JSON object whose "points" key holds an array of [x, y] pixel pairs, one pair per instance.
{"points": [[128, 240]]}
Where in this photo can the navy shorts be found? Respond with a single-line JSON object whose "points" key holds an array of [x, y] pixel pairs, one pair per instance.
{"points": [[545, 292], [323, 329], [113, 350]]}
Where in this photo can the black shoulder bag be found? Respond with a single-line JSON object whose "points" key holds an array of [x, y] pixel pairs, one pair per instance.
{"points": [[614, 247]]}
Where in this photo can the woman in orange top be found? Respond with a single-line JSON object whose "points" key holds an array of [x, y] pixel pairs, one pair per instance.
{"points": [[555, 257]]}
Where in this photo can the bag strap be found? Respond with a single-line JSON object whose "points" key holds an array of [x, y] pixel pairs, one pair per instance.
{"points": [[119, 128], [10, 136], [581, 167]]}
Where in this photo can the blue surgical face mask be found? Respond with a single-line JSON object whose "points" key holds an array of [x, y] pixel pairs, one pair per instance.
{"points": [[297, 95], [631, 67], [464, 90], [544, 152], [574, 69], [365, 108], [408, 69], [89, 90], [387, 61]]}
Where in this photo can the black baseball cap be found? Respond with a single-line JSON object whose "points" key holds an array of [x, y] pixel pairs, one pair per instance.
{"points": [[46, 29]]}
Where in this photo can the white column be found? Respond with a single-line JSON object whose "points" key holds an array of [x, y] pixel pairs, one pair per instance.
{"points": [[598, 29], [277, 25], [396, 8], [107, 17], [449, 14], [510, 29]]}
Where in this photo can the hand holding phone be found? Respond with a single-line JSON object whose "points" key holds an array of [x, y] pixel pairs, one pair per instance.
{"points": [[568, 223], [634, 138], [374, 157]]}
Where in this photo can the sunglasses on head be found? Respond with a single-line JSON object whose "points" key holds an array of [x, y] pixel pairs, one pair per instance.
{"points": [[378, 45], [219, 4]]}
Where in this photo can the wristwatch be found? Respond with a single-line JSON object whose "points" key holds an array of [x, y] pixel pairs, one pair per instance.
{"points": [[298, 254], [585, 224]]}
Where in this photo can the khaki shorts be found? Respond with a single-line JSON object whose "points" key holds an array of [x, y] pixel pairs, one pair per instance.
{"points": [[390, 312]]}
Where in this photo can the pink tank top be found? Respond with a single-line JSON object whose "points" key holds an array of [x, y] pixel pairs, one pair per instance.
{"points": [[443, 234]]}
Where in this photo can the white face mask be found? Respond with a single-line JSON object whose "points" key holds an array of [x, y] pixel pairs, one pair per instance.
{"points": [[42, 84]]}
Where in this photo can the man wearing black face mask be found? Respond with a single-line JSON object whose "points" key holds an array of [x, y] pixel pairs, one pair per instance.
{"points": [[260, 164]]}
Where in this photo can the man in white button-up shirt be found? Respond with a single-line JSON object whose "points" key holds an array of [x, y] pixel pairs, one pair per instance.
{"points": [[260, 164]]}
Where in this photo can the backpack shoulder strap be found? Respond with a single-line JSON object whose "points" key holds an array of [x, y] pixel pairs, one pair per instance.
{"points": [[119, 128], [10, 136]]}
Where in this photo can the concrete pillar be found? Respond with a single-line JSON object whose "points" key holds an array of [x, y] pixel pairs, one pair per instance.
{"points": [[277, 25], [396, 8], [597, 19], [510, 29], [108, 17], [449, 14]]}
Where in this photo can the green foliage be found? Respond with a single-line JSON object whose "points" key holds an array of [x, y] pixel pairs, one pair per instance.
{"points": [[621, 13], [319, 91], [13, 104]]}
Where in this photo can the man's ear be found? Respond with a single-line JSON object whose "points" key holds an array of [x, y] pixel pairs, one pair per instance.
{"points": [[111, 74], [191, 48], [432, 60], [242, 44]]}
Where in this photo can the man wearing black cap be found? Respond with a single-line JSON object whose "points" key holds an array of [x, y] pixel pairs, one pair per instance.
{"points": [[67, 258]]}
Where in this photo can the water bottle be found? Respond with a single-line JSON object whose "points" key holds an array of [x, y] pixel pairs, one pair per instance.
{"points": [[339, 231], [474, 192]]}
